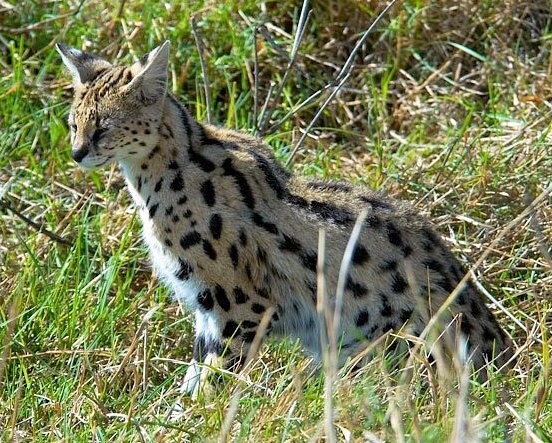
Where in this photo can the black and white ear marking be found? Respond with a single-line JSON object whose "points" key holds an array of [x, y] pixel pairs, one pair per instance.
{"points": [[82, 66], [150, 75]]}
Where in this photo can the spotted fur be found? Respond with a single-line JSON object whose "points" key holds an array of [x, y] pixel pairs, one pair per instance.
{"points": [[235, 235]]}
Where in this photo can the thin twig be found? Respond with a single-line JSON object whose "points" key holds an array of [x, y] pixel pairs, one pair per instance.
{"points": [[201, 51], [39, 24], [324, 320], [344, 274], [255, 80], [267, 100], [38, 227]]}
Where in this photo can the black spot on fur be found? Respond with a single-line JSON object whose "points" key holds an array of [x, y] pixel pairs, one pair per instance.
{"points": [[249, 336], [261, 255], [257, 308], [222, 299], [158, 185], [388, 265], [405, 315], [311, 287], [360, 255], [475, 309], [309, 261], [169, 210], [182, 200], [215, 226], [290, 244], [373, 221], [168, 242], [399, 284], [456, 271], [243, 238], [234, 255], [241, 181], [240, 296], [184, 271], [363, 318], [431, 239], [262, 223], [466, 327], [446, 284], [187, 213], [153, 210], [139, 183], [231, 329], [393, 234], [178, 182], [385, 309], [406, 250], [248, 272], [434, 265], [263, 292], [205, 300], [356, 288], [208, 192], [173, 164], [153, 152], [144, 166], [190, 239], [249, 324], [209, 250]]}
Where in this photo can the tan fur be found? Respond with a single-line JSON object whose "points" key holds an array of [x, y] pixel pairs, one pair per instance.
{"points": [[233, 233]]}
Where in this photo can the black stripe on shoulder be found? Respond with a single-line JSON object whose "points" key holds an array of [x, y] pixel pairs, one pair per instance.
{"points": [[243, 185], [324, 210], [261, 222], [271, 178], [204, 163], [184, 117], [330, 186]]}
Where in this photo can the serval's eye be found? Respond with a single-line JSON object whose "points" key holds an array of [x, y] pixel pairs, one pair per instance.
{"points": [[98, 134]]}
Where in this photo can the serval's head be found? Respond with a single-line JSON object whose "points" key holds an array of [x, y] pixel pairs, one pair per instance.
{"points": [[116, 110]]}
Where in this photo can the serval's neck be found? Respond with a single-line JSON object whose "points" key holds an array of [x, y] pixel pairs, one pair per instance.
{"points": [[180, 137]]}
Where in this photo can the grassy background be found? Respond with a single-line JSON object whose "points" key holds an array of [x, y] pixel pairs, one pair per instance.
{"points": [[448, 105]]}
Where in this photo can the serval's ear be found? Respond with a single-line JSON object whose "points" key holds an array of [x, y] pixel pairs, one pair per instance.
{"points": [[150, 75], [82, 65]]}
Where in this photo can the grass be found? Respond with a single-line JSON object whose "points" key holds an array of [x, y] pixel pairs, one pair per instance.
{"points": [[447, 106]]}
